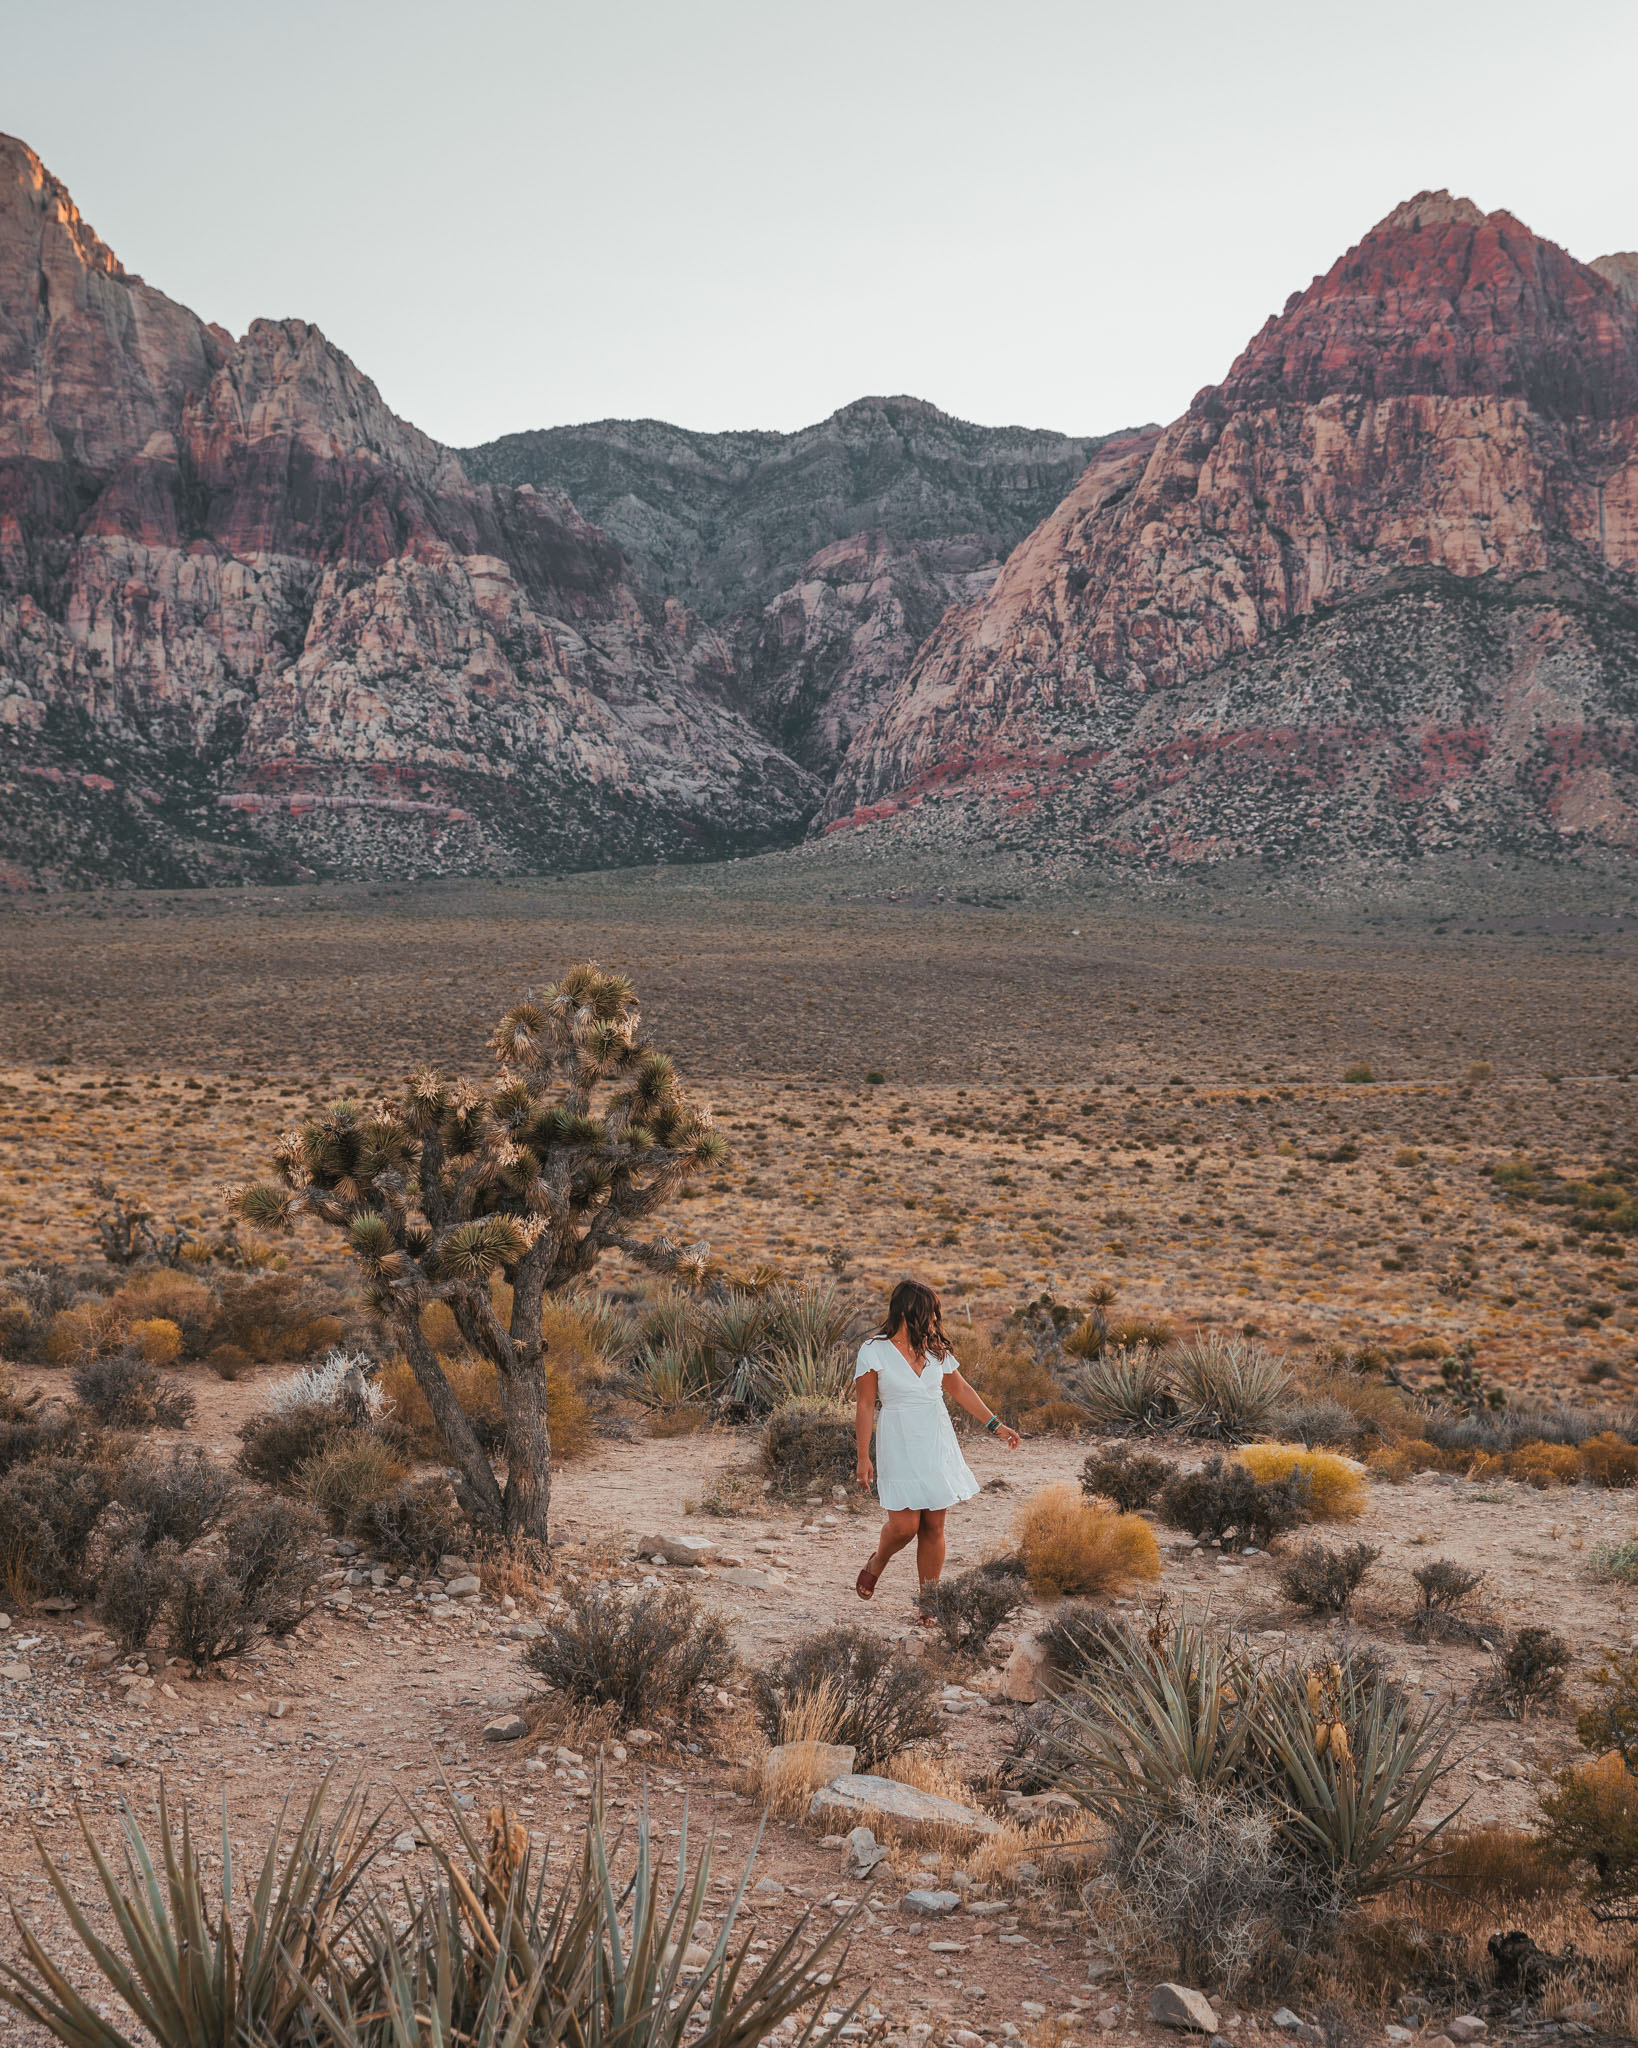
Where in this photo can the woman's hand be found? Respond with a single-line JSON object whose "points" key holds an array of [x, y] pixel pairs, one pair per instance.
{"points": [[866, 1477], [1009, 1437]]}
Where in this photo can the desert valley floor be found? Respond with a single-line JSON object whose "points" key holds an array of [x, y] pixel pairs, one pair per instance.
{"points": [[1010, 1100]]}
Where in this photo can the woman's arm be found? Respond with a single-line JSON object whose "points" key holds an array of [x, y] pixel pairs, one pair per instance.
{"points": [[976, 1406], [864, 1417]]}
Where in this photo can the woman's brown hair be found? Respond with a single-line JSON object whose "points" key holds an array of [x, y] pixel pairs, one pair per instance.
{"points": [[914, 1309]]}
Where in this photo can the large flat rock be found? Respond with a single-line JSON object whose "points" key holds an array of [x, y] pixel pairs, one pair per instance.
{"points": [[862, 1795]]}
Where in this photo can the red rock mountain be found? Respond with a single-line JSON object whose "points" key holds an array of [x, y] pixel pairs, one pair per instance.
{"points": [[253, 623], [1377, 590]]}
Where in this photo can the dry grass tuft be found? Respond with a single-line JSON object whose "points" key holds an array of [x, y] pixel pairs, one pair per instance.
{"points": [[1500, 1866], [1336, 1487], [1070, 1545]]}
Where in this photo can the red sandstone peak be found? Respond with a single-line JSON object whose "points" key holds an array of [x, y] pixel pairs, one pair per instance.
{"points": [[1441, 299], [1621, 269]]}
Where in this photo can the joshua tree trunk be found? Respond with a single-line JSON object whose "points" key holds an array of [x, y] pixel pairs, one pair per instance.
{"points": [[475, 1482], [523, 1407]]}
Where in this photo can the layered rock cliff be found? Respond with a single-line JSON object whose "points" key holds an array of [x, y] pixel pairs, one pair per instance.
{"points": [[253, 623], [1377, 589]]}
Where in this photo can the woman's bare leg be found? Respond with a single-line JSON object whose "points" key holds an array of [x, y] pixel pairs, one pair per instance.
{"points": [[930, 1545], [900, 1528]]}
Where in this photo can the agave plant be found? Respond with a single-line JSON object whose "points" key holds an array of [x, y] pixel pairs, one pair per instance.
{"points": [[1227, 1388], [1157, 1712], [1128, 1390], [184, 1975]]}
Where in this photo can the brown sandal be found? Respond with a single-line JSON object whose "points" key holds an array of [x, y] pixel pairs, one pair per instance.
{"points": [[865, 1584]]}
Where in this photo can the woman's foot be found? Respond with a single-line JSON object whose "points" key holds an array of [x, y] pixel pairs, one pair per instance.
{"points": [[865, 1584]]}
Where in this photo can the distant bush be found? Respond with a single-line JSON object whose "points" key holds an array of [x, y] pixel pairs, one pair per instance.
{"points": [[809, 1445], [1131, 1479], [126, 1392], [277, 1443], [1361, 1070], [881, 1702], [415, 1524], [134, 1586], [1444, 1587], [970, 1606], [1323, 1579], [1529, 1671], [172, 1296], [158, 1341], [1224, 1502], [49, 1509], [1318, 1420], [348, 1477], [1608, 1460], [88, 1330], [175, 1500], [1335, 1491], [1543, 1465], [1068, 1545], [657, 1652]]}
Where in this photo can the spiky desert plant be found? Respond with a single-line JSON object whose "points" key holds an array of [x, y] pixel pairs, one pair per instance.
{"points": [[176, 1963], [580, 1141], [1228, 1388], [1129, 1391]]}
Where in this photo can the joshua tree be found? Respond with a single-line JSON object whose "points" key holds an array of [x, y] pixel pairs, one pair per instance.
{"points": [[581, 1139]]}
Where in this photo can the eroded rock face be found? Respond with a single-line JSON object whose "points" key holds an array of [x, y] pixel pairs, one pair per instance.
{"points": [[1378, 589], [252, 623]]}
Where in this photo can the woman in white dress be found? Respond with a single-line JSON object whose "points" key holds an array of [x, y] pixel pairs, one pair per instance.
{"points": [[910, 1369]]}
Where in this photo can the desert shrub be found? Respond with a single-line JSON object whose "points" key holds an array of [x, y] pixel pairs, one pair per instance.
{"points": [[276, 1444], [1589, 1817], [1316, 1420], [1443, 1587], [882, 1703], [175, 1500], [1610, 1719], [1228, 1388], [126, 1392], [171, 1296], [1072, 1638], [1010, 1379], [1131, 1479], [209, 1615], [1323, 1579], [1125, 1392], [228, 1362], [1126, 1333], [343, 1380], [1530, 1664], [655, 1652], [1069, 1545], [970, 1606], [133, 1589], [1543, 1465], [32, 1427], [1614, 1564], [1400, 1461], [1214, 1886], [275, 1316], [345, 1479], [475, 1383], [270, 1548], [49, 1509], [30, 1300], [1032, 1758], [1608, 1460], [808, 1445], [415, 1524], [1336, 1491], [1500, 1867], [1223, 1501], [87, 1330], [158, 1341]]}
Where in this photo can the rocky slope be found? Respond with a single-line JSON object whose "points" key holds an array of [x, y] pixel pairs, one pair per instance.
{"points": [[1377, 590], [825, 556], [251, 623]]}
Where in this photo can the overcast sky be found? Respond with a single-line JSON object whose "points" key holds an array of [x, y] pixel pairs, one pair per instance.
{"points": [[735, 213]]}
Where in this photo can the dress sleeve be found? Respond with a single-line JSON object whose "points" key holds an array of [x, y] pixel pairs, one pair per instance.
{"points": [[951, 1363], [864, 1365]]}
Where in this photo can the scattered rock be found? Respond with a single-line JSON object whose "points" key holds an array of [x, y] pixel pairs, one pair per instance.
{"points": [[1175, 2005], [467, 1588], [1021, 1679], [744, 1575], [767, 1888], [1297, 2028], [509, 1728], [864, 1852], [452, 1567], [681, 1550], [14, 1670], [1468, 2028], [884, 1798], [404, 1844], [930, 1905]]}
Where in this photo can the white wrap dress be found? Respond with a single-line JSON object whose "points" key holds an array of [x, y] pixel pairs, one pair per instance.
{"points": [[918, 1460]]}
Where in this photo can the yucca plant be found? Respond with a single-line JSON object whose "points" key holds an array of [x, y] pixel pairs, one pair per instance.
{"points": [[812, 1314], [1126, 1391], [1352, 1805], [1157, 1711], [807, 1372], [179, 1968], [1227, 1388], [668, 1374]]}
